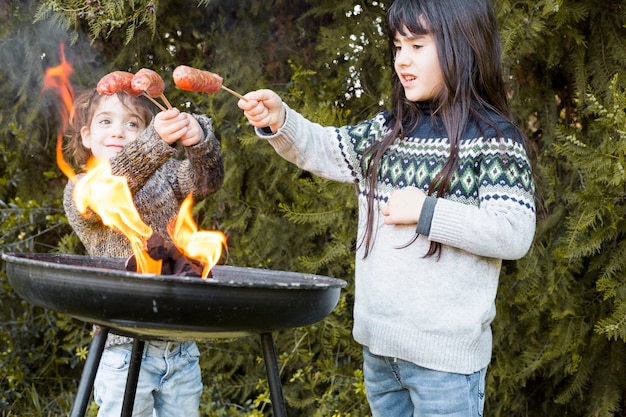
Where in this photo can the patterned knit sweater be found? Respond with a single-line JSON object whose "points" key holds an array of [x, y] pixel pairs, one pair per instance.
{"points": [[434, 312], [159, 182]]}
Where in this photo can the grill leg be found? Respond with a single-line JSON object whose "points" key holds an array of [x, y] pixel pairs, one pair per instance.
{"points": [[89, 373], [273, 376], [132, 378]]}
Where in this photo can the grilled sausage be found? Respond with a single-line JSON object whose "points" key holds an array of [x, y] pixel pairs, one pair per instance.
{"points": [[192, 79], [149, 81], [115, 82]]}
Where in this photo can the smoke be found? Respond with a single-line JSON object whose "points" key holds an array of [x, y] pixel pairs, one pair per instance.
{"points": [[30, 119], [28, 48]]}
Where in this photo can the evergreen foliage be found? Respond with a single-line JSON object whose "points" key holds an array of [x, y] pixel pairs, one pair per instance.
{"points": [[558, 348], [560, 331]]}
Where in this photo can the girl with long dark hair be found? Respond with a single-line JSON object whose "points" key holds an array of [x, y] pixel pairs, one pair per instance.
{"points": [[445, 194]]}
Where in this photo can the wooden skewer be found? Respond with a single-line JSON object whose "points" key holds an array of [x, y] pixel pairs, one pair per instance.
{"points": [[156, 103], [166, 101], [234, 93]]}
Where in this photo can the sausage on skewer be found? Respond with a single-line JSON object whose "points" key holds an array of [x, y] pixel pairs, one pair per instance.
{"points": [[149, 81], [151, 84], [118, 81], [192, 79], [115, 82]]}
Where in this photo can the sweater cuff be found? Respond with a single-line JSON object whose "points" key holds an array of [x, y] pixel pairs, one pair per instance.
{"points": [[426, 216], [266, 132]]}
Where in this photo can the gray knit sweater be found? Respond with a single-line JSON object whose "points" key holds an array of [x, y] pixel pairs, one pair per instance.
{"points": [[159, 182], [433, 312]]}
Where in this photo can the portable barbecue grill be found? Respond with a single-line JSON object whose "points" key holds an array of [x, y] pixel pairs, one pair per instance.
{"points": [[235, 302]]}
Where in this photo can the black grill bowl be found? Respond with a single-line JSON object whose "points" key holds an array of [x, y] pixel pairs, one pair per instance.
{"points": [[235, 302]]}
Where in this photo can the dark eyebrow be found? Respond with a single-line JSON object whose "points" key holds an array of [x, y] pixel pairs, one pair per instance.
{"points": [[410, 37]]}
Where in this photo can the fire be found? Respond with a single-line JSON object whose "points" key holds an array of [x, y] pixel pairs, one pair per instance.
{"points": [[58, 79], [204, 245], [108, 195]]}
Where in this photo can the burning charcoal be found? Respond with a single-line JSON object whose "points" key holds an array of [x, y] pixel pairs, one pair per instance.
{"points": [[157, 247], [173, 261], [194, 268], [173, 253], [131, 264], [179, 265]]}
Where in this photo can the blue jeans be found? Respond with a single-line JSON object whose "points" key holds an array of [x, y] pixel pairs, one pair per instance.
{"points": [[402, 389], [170, 381]]}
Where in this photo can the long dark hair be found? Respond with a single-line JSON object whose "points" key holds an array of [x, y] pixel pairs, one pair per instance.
{"points": [[468, 44]]}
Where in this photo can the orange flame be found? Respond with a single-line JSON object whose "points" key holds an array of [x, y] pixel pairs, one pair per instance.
{"points": [[204, 245], [58, 79], [109, 196], [99, 190]]}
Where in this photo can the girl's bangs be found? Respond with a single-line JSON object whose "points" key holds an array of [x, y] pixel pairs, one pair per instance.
{"points": [[402, 18], [138, 105]]}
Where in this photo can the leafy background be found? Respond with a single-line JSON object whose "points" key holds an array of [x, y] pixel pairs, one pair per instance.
{"points": [[561, 325]]}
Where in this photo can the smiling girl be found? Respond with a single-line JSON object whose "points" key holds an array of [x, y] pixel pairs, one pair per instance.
{"points": [[139, 147]]}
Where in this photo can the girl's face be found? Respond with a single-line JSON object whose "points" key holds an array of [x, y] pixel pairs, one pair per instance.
{"points": [[112, 126], [417, 66]]}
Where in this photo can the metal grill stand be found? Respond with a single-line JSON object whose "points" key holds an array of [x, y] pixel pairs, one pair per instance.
{"points": [[95, 353]]}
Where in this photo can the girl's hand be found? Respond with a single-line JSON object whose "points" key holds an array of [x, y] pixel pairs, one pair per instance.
{"points": [[404, 206], [263, 108], [171, 125], [194, 132]]}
